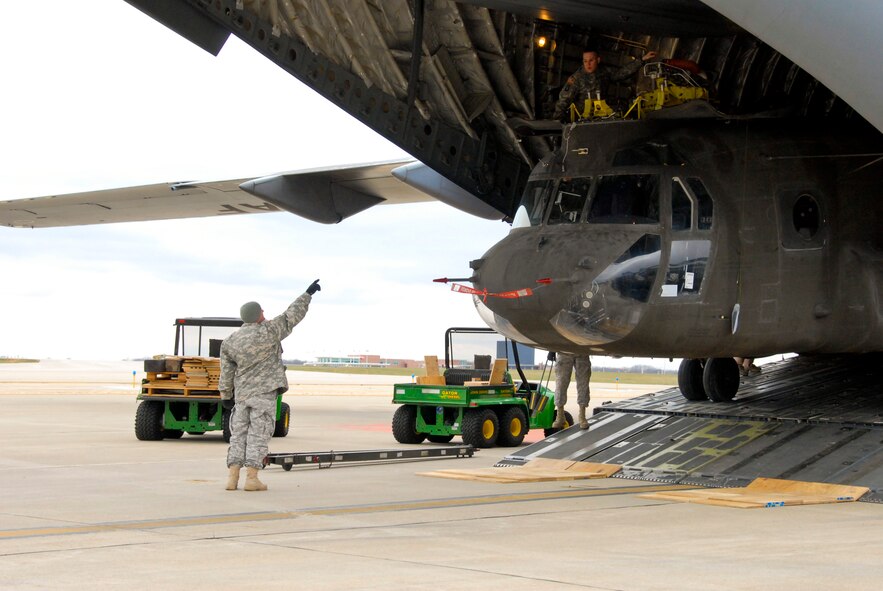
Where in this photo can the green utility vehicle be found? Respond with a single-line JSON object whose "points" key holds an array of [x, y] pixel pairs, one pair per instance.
{"points": [[180, 393], [484, 415]]}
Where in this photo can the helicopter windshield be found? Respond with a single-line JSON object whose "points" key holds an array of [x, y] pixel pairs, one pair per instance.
{"points": [[617, 199], [626, 199]]}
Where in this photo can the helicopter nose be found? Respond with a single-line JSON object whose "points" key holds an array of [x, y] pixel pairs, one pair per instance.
{"points": [[576, 301]]}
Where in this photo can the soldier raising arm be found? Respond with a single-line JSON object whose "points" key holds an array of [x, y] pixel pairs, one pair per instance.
{"points": [[252, 371]]}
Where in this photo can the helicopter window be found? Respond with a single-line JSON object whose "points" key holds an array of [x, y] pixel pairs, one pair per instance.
{"points": [[706, 205], [626, 199], [569, 201], [647, 244], [686, 267], [806, 216], [533, 203], [632, 274], [681, 207]]}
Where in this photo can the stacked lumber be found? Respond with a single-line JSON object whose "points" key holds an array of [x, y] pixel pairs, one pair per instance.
{"points": [[202, 372]]}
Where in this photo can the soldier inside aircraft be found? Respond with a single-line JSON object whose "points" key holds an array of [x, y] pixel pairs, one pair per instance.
{"points": [[589, 83]]}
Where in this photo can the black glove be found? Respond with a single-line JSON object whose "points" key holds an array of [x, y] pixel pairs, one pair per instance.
{"points": [[314, 287], [228, 403]]}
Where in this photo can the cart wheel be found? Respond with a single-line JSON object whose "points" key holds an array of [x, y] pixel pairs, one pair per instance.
{"points": [[404, 425], [173, 433], [148, 420], [284, 420], [513, 427], [439, 438], [286, 467], [480, 427], [568, 422]]}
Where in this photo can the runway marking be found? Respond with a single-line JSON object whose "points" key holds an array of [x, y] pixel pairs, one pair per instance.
{"points": [[343, 510]]}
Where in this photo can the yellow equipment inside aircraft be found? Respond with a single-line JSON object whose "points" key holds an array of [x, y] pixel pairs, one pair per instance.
{"points": [[666, 93], [592, 109]]}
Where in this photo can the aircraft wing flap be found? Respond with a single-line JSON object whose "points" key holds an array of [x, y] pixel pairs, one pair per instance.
{"points": [[331, 195]]}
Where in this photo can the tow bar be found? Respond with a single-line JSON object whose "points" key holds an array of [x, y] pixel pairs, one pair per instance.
{"points": [[325, 459]]}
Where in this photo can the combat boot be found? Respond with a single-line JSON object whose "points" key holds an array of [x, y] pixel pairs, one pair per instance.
{"points": [[251, 480], [233, 478], [559, 418], [583, 423]]}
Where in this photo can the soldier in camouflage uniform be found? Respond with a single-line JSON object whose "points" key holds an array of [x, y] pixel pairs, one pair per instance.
{"points": [[586, 83], [565, 365], [252, 372]]}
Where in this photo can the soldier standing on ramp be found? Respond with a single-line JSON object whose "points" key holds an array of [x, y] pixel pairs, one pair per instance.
{"points": [[566, 363], [252, 371]]}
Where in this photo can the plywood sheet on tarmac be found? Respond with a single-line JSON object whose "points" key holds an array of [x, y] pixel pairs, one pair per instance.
{"points": [[539, 470], [767, 492]]}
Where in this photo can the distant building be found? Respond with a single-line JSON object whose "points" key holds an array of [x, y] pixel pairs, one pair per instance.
{"points": [[403, 363], [526, 355], [366, 361]]}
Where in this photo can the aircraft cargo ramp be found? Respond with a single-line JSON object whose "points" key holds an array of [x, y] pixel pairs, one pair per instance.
{"points": [[816, 419]]}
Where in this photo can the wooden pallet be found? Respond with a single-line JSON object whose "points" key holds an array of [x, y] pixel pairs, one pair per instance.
{"points": [[166, 376], [766, 492], [199, 376]]}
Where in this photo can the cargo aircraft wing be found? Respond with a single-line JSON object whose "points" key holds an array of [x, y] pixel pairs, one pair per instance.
{"points": [[326, 195]]}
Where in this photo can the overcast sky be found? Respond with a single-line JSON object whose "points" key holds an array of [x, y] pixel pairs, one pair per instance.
{"points": [[98, 95]]}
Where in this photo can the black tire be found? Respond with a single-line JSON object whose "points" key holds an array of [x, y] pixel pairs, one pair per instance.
{"points": [[148, 420], [404, 425], [721, 379], [481, 427], [226, 414], [568, 423], [513, 427], [284, 421], [439, 438], [173, 433], [690, 379]]}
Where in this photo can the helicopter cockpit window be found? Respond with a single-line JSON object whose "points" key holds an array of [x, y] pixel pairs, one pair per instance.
{"points": [[681, 207], [626, 199], [533, 203], [706, 205], [569, 201]]}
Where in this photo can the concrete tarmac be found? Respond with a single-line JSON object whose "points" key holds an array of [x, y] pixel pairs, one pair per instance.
{"points": [[85, 504]]}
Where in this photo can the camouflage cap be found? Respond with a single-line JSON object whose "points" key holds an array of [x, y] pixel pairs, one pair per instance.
{"points": [[250, 312]]}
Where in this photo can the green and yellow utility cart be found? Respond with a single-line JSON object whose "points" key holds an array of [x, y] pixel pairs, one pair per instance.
{"points": [[469, 402], [180, 392]]}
